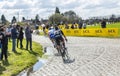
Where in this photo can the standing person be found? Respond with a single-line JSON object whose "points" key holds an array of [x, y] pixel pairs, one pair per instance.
{"points": [[103, 24], [28, 34], [84, 25], [14, 37], [72, 26], [75, 26], [9, 31], [21, 36], [18, 30], [66, 26], [43, 27], [0, 41], [0, 46], [80, 24], [4, 42]]}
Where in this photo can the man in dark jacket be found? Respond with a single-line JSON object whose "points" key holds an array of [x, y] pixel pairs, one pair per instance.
{"points": [[21, 36], [80, 24], [14, 34], [4, 41], [103, 24], [28, 34]]}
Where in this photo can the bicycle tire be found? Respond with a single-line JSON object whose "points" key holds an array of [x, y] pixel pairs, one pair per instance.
{"points": [[66, 55]]}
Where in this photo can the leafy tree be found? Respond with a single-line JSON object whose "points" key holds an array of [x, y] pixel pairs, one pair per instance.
{"points": [[37, 17], [14, 20], [72, 17], [112, 18], [57, 10], [67, 17], [56, 18], [37, 21], [3, 19]]}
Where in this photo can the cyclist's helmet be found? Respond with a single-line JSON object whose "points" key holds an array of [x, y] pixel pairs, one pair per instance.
{"points": [[56, 28]]}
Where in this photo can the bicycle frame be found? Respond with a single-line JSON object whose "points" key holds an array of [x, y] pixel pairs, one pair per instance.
{"points": [[64, 52]]}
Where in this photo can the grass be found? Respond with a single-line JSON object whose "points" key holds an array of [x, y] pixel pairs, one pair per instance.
{"points": [[114, 25], [20, 60]]}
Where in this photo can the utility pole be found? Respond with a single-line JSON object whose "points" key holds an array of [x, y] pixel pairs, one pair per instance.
{"points": [[18, 16]]}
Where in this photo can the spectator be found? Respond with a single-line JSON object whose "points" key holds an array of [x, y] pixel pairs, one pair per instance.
{"points": [[14, 34], [0, 42], [21, 36], [72, 26], [43, 27], [18, 30], [75, 26], [28, 34], [9, 31], [4, 42], [103, 24], [80, 24], [66, 26], [0, 47], [84, 25]]}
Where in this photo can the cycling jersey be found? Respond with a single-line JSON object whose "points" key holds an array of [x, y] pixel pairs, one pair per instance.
{"points": [[57, 33], [51, 33]]}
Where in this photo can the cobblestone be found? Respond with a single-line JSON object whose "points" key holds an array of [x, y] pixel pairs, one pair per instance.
{"points": [[93, 57]]}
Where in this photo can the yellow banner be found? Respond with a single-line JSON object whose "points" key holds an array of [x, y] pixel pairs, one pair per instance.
{"points": [[92, 32]]}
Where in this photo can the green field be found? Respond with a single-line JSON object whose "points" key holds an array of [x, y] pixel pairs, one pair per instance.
{"points": [[115, 25], [20, 60]]}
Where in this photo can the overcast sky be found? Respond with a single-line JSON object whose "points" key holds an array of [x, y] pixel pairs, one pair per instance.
{"points": [[83, 8]]}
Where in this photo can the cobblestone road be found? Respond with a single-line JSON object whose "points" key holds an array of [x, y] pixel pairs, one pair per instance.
{"points": [[93, 57]]}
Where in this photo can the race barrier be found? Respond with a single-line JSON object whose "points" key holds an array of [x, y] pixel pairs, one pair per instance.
{"points": [[103, 32]]}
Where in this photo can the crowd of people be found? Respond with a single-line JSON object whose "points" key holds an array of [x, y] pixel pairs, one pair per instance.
{"points": [[80, 25], [14, 33]]}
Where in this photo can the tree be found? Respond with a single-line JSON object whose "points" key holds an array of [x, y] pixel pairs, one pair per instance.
{"points": [[72, 17], [3, 20], [37, 21], [37, 17], [14, 20], [57, 10], [56, 18], [112, 18], [67, 17]]}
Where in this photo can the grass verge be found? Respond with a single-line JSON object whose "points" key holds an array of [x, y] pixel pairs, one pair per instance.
{"points": [[20, 60]]}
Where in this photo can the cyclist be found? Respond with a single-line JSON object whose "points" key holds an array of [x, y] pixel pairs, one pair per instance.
{"points": [[59, 36]]}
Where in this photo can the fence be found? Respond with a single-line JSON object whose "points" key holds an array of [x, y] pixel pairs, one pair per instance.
{"points": [[104, 32]]}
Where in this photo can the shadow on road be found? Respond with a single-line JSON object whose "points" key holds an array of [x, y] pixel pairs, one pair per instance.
{"points": [[69, 61]]}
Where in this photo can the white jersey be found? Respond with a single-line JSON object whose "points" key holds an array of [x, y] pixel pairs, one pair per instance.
{"points": [[51, 33]]}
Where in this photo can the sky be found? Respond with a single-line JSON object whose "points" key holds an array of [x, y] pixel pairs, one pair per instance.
{"points": [[45, 8]]}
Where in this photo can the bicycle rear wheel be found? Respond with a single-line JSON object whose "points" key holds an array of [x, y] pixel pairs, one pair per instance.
{"points": [[62, 54], [66, 55]]}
